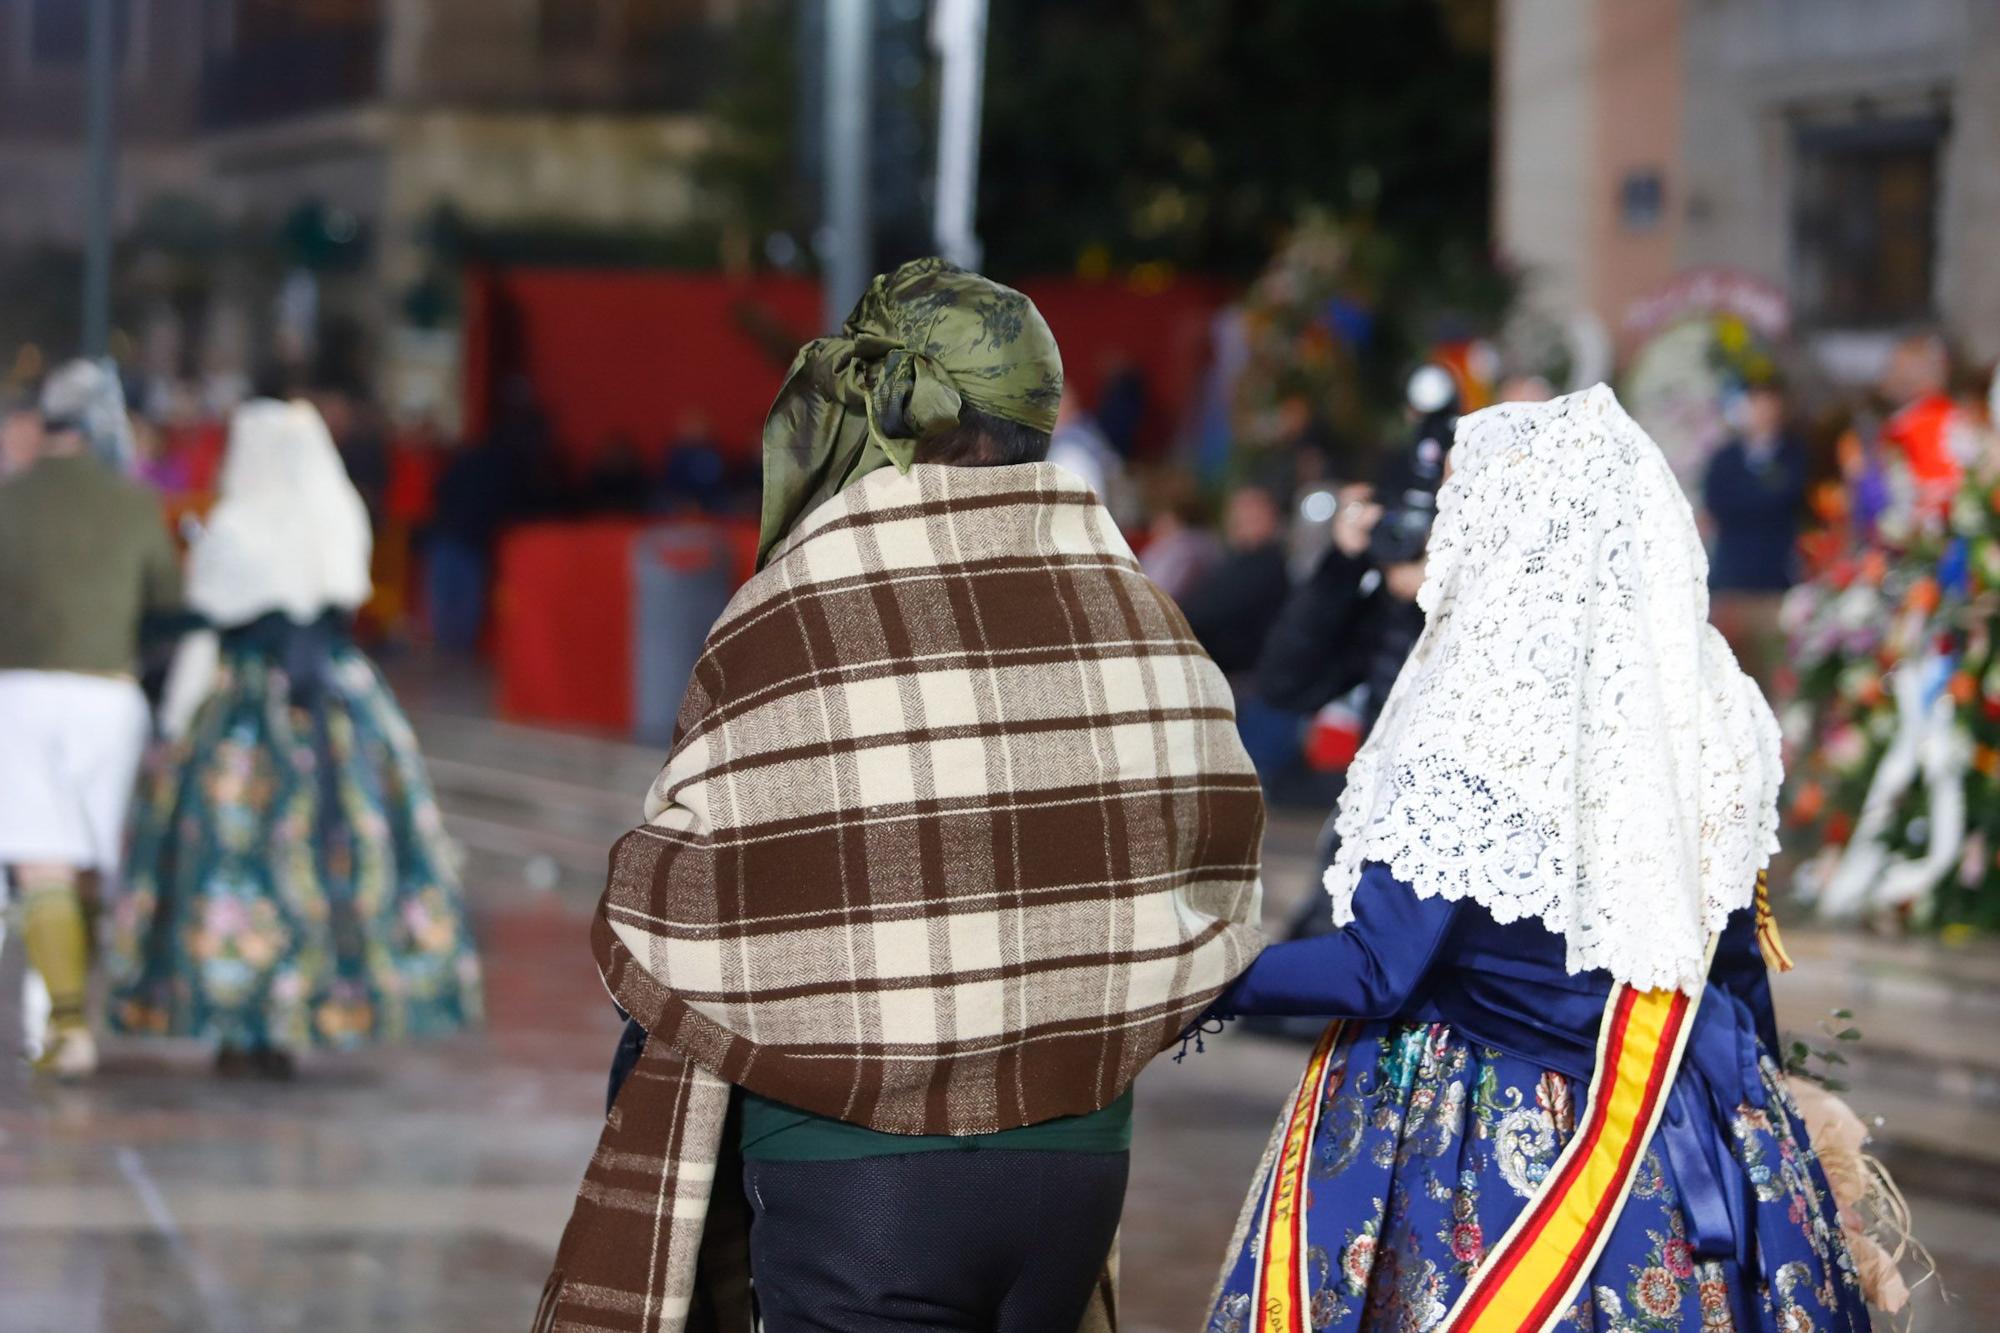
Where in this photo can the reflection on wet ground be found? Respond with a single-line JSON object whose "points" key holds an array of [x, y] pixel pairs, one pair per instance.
{"points": [[424, 1188]]}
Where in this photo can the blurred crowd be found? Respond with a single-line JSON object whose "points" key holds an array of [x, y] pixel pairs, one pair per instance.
{"points": [[1298, 570], [232, 571]]}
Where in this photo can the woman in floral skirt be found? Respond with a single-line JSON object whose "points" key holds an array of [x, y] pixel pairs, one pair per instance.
{"points": [[1551, 1101], [290, 884]]}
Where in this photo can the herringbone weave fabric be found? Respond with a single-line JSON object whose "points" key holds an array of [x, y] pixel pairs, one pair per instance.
{"points": [[956, 835]]}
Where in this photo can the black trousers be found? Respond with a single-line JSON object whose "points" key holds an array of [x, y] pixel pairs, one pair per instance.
{"points": [[984, 1242]]}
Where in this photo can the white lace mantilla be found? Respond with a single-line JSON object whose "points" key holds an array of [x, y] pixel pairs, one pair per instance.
{"points": [[1570, 740]]}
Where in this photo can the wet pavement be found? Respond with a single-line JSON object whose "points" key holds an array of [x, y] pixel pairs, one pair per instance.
{"points": [[423, 1188]]}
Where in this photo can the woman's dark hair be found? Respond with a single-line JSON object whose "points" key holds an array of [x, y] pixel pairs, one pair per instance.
{"points": [[983, 440]]}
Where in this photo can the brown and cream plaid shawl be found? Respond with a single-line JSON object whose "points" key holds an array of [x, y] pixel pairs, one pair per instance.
{"points": [[956, 835]]}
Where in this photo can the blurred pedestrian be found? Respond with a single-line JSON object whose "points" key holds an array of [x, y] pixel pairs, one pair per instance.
{"points": [[934, 964], [1233, 608], [361, 440], [85, 557], [478, 491], [1354, 619], [1180, 547], [694, 475], [1121, 403], [615, 481], [1755, 495], [20, 436], [1078, 447], [290, 882], [1922, 426]]}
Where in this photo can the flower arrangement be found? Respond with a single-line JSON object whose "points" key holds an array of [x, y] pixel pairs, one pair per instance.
{"points": [[1899, 587]]}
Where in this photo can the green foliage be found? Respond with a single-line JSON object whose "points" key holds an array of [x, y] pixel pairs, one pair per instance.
{"points": [[749, 173], [1189, 132], [1818, 1063], [1196, 131]]}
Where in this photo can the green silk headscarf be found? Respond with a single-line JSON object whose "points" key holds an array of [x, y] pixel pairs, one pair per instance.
{"points": [[923, 340]]}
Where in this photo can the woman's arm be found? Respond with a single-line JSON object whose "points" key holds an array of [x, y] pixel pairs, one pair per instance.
{"points": [[1368, 969], [190, 681]]}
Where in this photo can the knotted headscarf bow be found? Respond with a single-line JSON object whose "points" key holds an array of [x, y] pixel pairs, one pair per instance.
{"points": [[923, 341]]}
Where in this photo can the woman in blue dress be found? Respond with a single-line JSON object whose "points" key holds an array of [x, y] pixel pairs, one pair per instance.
{"points": [[1551, 1100], [290, 884]]}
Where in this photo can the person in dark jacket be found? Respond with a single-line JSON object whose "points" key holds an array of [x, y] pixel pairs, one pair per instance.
{"points": [[1755, 493], [1233, 608], [477, 493], [1355, 618]]}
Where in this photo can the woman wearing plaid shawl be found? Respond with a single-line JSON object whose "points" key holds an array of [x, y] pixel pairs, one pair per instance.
{"points": [[955, 837]]}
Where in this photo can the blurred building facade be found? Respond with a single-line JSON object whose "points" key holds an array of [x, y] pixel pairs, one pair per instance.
{"points": [[1845, 151], [329, 135]]}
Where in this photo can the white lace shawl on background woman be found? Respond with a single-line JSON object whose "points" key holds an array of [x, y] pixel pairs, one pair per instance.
{"points": [[1570, 740], [289, 533]]}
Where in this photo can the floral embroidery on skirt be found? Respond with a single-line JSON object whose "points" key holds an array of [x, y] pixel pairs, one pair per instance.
{"points": [[1429, 1146], [290, 882]]}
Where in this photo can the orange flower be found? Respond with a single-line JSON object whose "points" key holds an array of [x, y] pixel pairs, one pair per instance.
{"points": [[1923, 595], [1873, 566], [1986, 760], [1869, 692], [1808, 803], [1964, 689]]}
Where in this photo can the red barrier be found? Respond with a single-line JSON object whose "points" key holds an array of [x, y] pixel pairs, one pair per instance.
{"points": [[563, 619], [563, 623]]}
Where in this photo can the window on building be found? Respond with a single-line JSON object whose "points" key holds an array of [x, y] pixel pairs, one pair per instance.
{"points": [[267, 60], [1642, 200], [1865, 222], [576, 27], [59, 30]]}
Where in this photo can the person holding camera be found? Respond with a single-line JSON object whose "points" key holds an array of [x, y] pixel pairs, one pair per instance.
{"points": [[1355, 618]]}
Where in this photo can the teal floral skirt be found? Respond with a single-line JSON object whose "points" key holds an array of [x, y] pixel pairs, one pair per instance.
{"points": [[289, 881], [1427, 1149]]}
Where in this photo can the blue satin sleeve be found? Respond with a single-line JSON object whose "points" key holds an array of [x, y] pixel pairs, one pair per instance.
{"points": [[1369, 969], [1739, 969]]}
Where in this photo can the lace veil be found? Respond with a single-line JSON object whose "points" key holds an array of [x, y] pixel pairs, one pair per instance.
{"points": [[1570, 740]]}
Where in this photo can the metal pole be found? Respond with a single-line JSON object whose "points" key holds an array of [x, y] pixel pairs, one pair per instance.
{"points": [[847, 250], [103, 180], [958, 35]]}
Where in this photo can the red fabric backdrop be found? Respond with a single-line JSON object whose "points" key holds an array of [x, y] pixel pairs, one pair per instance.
{"points": [[1163, 332], [626, 352]]}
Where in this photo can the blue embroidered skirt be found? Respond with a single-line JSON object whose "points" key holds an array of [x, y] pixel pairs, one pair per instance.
{"points": [[1428, 1146], [290, 883]]}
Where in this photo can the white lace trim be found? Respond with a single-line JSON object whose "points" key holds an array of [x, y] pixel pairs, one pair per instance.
{"points": [[1570, 740]]}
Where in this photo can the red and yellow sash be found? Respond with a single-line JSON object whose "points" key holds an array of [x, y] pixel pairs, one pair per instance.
{"points": [[1526, 1282], [1278, 1295]]}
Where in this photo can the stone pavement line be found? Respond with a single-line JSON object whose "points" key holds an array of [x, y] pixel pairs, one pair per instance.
{"points": [[218, 1299]]}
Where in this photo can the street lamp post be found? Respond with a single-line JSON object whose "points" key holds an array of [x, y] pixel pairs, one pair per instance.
{"points": [[958, 35], [103, 172], [846, 249]]}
